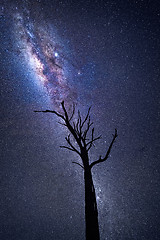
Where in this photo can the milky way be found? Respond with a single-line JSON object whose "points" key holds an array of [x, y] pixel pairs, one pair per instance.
{"points": [[43, 54]]}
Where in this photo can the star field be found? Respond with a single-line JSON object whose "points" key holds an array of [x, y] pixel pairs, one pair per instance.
{"points": [[103, 54]]}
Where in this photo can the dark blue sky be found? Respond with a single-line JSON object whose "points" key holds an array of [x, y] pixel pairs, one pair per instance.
{"points": [[108, 57]]}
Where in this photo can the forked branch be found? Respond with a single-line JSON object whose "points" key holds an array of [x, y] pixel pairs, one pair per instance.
{"points": [[115, 135], [71, 145]]}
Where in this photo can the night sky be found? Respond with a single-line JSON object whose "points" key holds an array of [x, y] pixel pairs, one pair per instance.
{"points": [[104, 54]]}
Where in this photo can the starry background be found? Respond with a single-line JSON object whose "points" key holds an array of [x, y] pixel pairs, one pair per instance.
{"points": [[103, 54]]}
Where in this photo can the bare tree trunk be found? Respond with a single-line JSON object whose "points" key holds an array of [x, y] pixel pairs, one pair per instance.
{"points": [[91, 212]]}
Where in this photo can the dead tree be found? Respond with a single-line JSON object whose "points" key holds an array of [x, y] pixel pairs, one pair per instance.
{"points": [[79, 130]]}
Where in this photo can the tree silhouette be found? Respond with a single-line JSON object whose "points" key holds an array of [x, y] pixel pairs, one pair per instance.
{"points": [[79, 130]]}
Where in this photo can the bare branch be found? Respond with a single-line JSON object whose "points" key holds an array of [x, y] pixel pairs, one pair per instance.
{"points": [[80, 122], [91, 142], [70, 127], [74, 128], [73, 112], [67, 148], [62, 124], [89, 124], [78, 164], [86, 116], [65, 112], [58, 114], [108, 151], [71, 145], [77, 126]]}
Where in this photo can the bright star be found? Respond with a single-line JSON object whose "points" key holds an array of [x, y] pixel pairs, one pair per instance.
{"points": [[56, 54]]}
